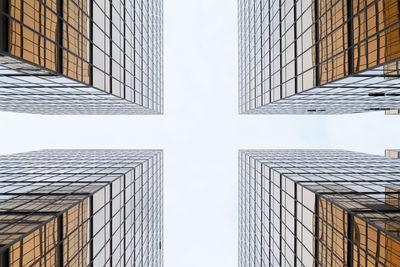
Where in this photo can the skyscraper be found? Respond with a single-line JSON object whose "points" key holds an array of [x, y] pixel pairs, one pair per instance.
{"points": [[81, 208], [325, 57], [318, 208], [81, 57]]}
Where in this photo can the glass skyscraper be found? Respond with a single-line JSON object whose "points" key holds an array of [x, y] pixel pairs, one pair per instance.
{"points": [[318, 208], [82, 208], [318, 57], [81, 57]]}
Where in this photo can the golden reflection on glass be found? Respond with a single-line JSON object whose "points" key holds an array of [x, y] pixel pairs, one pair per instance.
{"points": [[332, 38], [332, 234], [38, 247], [75, 40], [75, 235], [375, 37], [33, 31], [33, 35]]}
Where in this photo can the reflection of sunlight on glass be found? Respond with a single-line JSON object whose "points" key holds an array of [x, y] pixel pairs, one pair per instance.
{"points": [[331, 207], [81, 208], [319, 60], [79, 57]]}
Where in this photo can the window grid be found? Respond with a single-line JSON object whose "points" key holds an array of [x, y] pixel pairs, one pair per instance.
{"points": [[318, 57], [318, 208], [82, 208], [82, 57]]}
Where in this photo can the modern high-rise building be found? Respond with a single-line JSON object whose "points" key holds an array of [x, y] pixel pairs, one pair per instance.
{"points": [[318, 208], [81, 208], [81, 57], [318, 57]]}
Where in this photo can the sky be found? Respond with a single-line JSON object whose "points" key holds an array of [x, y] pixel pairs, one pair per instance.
{"points": [[200, 133]]}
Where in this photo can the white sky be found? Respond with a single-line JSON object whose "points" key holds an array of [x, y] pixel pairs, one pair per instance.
{"points": [[200, 133]]}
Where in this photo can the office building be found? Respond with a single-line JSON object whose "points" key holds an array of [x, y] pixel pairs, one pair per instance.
{"points": [[318, 57], [318, 208], [81, 57], [81, 208]]}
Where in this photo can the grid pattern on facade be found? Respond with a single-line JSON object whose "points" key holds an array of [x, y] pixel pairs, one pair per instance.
{"points": [[81, 57], [318, 208], [318, 56], [82, 208]]}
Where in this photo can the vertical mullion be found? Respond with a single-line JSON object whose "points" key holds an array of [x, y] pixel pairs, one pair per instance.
{"points": [[280, 50], [134, 51], [60, 21], [281, 221], [60, 245], [134, 216], [350, 37], [269, 54], [262, 56], [316, 231], [255, 53], [22, 28], [350, 224], [111, 225], [142, 207], [91, 256], [111, 45], [262, 222], [124, 222], [296, 89], [295, 224], [316, 36], [91, 43], [270, 219], [142, 53], [255, 202], [240, 213], [124, 47], [4, 25], [44, 35]]}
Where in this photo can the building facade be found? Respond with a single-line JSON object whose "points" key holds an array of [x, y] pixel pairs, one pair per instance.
{"points": [[318, 57], [81, 57], [318, 208], [82, 208]]}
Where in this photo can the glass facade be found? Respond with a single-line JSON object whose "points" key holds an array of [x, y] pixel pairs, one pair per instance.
{"points": [[318, 56], [81, 56], [318, 208], [82, 208]]}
